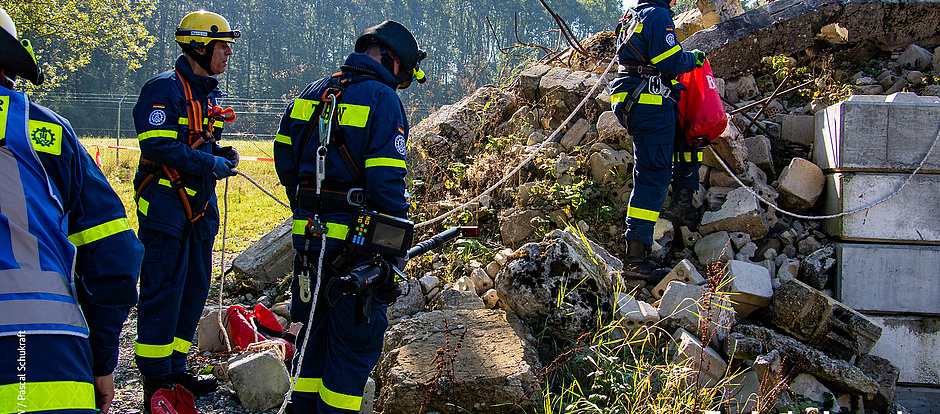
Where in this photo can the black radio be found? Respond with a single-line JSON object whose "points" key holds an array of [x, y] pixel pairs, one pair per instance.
{"points": [[381, 233]]}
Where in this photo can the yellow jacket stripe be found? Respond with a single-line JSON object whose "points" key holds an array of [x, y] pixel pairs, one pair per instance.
{"points": [[639, 28], [162, 351], [143, 206], [165, 182], [385, 162], [181, 345], [167, 133], [333, 230], [687, 156], [618, 97], [303, 109], [330, 397], [353, 115], [283, 139], [642, 214], [650, 99], [675, 49], [46, 396], [100, 231]]}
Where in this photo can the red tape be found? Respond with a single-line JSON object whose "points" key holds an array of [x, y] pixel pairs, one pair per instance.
{"points": [[242, 158]]}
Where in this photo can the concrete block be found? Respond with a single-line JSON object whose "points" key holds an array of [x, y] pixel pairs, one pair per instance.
{"points": [[688, 306], [501, 256], [490, 299], [809, 387], [610, 130], [801, 183], [684, 272], [715, 197], [920, 400], [481, 281], [633, 316], [368, 397], [907, 278], [758, 151], [809, 315], [877, 133], [749, 285], [886, 374], [715, 247], [209, 335], [428, 283], [814, 268], [912, 216], [575, 134], [730, 145], [740, 212], [608, 164], [465, 283], [529, 81], [452, 299], [689, 237], [704, 359], [269, 259], [911, 344], [740, 239], [800, 129], [916, 57], [260, 379]]}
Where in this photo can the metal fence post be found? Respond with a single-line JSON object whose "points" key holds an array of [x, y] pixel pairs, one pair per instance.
{"points": [[117, 151]]}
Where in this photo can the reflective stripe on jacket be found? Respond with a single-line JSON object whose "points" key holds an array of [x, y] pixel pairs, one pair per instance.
{"points": [[37, 261]]}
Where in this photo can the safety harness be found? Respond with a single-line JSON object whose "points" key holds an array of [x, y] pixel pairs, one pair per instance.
{"points": [[650, 78], [196, 136]]}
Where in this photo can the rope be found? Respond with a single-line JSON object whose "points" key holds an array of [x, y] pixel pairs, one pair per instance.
{"points": [[529, 158], [261, 188], [228, 345], [831, 216]]}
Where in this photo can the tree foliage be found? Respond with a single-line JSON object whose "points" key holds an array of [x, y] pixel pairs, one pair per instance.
{"points": [[68, 35]]}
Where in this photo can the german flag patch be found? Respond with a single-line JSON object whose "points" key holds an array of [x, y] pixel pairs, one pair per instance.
{"points": [[159, 106], [401, 129]]}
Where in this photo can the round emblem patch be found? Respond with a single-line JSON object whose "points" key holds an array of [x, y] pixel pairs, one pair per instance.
{"points": [[157, 117], [400, 144], [671, 39]]}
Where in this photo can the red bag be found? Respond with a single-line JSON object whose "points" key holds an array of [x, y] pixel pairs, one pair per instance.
{"points": [[701, 114], [243, 327], [176, 401]]}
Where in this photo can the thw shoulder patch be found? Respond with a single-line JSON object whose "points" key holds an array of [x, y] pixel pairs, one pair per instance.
{"points": [[46, 137]]}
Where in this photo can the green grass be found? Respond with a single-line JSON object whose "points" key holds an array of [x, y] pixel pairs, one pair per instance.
{"points": [[251, 213]]}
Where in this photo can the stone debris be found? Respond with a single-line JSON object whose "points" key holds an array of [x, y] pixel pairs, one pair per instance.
{"points": [[260, 379]]}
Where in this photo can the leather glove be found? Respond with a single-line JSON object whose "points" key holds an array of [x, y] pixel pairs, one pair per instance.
{"points": [[222, 168], [699, 58], [230, 154]]}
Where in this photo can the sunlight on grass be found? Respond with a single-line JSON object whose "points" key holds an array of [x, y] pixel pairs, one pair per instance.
{"points": [[251, 213]]}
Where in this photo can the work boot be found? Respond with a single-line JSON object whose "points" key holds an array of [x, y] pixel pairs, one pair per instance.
{"points": [[151, 386], [680, 209], [638, 266], [198, 385]]}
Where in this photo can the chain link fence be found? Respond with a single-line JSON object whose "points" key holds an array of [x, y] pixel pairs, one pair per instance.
{"points": [[112, 115]]}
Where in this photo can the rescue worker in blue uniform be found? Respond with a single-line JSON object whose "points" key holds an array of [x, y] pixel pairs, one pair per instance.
{"points": [[644, 97], [364, 167], [69, 259], [178, 127]]}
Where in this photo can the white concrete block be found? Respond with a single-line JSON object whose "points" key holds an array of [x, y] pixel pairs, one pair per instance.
{"points": [[684, 272], [749, 285], [907, 278], [801, 183], [259, 379], [799, 128], [877, 132], [912, 216], [704, 359], [911, 344]]}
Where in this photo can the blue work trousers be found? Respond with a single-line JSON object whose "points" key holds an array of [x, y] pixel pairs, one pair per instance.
{"points": [[47, 374], [662, 155], [174, 284], [339, 354]]}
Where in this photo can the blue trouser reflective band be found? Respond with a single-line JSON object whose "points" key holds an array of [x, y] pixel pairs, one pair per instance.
{"points": [[35, 301]]}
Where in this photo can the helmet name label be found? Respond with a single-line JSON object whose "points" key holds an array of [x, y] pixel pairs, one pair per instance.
{"points": [[198, 33]]}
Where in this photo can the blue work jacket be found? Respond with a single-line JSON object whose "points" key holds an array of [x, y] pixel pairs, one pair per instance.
{"points": [[372, 120], [160, 117]]}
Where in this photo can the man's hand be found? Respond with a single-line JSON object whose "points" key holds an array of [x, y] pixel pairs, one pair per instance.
{"points": [[699, 58], [230, 154], [104, 392], [222, 168]]}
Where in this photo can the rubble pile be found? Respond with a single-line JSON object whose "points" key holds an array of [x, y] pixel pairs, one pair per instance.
{"points": [[750, 291]]}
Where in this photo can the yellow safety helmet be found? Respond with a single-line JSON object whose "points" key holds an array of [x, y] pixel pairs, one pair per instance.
{"points": [[201, 27], [17, 56]]}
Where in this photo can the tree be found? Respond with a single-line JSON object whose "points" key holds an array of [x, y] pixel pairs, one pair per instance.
{"points": [[66, 34]]}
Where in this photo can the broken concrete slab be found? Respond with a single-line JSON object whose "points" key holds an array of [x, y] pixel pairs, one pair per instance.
{"points": [[689, 306], [268, 260], [452, 299], [758, 152], [209, 335], [529, 81], [560, 266], [575, 133], [740, 212], [494, 369], [907, 277], [909, 217], [515, 224], [915, 57], [684, 272], [809, 315], [751, 341], [814, 268], [800, 129], [610, 131], [877, 133], [749, 285], [633, 316], [801, 183], [807, 386], [883, 371], [608, 165], [709, 366], [736, 46], [732, 149], [260, 379], [714, 247], [911, 344]]}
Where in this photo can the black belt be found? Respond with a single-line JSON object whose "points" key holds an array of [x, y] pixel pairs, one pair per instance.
{"points": [[644, 71], [330, 198]]}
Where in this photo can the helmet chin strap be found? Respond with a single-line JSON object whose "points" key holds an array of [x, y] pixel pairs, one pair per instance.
{"points": [[205, 60]]}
